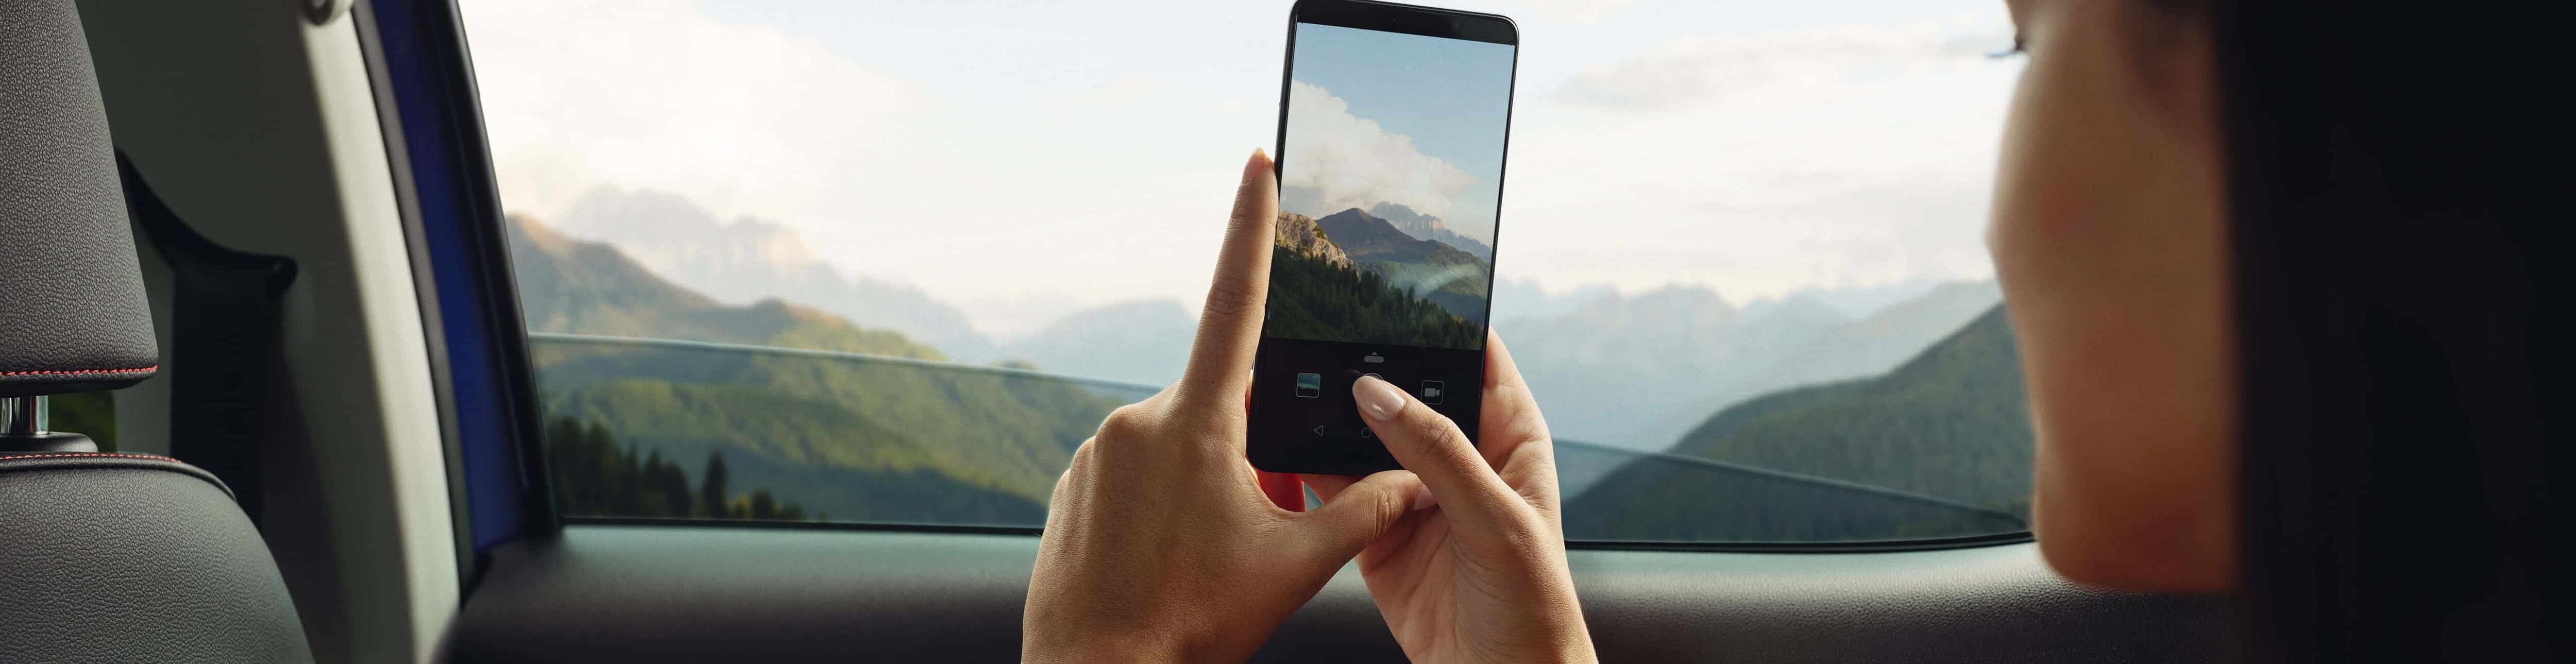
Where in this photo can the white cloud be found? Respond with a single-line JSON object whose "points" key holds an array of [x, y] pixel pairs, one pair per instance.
{"points": [[996, 157], [1763, 164], [743, 119], [1349, 161], [1568, 11], [1690, 71]]}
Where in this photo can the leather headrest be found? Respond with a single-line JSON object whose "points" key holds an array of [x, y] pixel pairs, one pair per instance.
{"points": [[72, 313]]}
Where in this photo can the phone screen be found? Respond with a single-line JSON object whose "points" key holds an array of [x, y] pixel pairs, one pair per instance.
{"points": [[1390, 155]]}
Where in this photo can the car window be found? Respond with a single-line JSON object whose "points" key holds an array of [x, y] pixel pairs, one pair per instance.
{"points": [[892, 263]]}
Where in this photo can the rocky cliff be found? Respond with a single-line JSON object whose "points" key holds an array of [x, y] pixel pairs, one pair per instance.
{"points": [[1299, 233]]}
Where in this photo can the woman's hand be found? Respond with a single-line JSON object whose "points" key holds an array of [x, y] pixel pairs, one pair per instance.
{"points": [[1481, 578], [1159, 547]]}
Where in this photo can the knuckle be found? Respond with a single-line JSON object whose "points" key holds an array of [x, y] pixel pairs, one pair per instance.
{"points": [[1127, 422], [1228, 299], [1436, 431]]}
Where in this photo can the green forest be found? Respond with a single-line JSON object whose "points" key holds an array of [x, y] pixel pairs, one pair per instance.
{"points": [[595, 476], [1314, 299], [1950, 424], [854, 438]]}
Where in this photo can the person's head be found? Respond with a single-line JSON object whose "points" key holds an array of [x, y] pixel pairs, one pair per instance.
{"points": [[2284, 281], [2109, 237]]}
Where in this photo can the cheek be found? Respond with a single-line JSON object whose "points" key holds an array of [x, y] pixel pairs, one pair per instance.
{"points": [[2109, 242]]}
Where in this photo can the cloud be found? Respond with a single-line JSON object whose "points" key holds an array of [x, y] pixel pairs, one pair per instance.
{"points": [[1691, 71], [1344, 161], [1568, 11], [743, 119]]}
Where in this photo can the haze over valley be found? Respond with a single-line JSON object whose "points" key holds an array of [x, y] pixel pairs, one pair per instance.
{"points": [[1634, 370]]}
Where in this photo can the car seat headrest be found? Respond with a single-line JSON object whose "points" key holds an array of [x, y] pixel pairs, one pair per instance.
{"points": [[72, 312]]}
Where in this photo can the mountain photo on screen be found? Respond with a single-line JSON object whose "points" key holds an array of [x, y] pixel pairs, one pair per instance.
{"points": [[1390, 175]]}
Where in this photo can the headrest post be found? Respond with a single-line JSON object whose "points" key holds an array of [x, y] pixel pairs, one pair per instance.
{"points": [[23, 416]]}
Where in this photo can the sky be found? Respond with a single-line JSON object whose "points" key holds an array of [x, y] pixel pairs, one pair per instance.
{"points": [[1022, 159], [1382, 116]]}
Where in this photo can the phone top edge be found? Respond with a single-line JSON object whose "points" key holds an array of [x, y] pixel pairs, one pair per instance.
{"points": [[1408, 19]]}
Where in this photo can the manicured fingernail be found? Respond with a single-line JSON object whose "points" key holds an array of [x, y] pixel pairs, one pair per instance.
{"points": [[1378, 399], [1422, 498]]}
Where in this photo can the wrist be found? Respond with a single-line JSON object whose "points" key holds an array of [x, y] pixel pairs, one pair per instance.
{"points": [[1102, 649]]}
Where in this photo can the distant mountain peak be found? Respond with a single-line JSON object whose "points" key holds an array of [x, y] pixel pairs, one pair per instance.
{"points": [[1426, 227], [747, 260], [1406, 219]]}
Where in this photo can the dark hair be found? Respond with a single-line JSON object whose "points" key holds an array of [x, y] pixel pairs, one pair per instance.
{"points": [[2403, 342]]}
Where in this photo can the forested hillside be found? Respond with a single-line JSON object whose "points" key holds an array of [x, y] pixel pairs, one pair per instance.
{"points": [[608, 480], [1311, 298], [856, 439], [1951, 423]]}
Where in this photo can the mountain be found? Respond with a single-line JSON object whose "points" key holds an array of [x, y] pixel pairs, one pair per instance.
{"points": [[1525, 298], [1320, 291], [571, 286], [748, 260], [1850, 349], [1637, 371], [1611, 367], [1298, 234], [1946, 431], [1952, 423], [1433, 270], [1143, 341], [1426, 227], [854, 438]]}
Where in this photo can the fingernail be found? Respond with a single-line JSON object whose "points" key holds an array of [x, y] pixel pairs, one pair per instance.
{"points": [[1422, 498], [1378, 399]]}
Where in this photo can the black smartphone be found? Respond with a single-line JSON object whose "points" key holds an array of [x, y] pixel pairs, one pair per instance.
{"points": [[1392, 125]]}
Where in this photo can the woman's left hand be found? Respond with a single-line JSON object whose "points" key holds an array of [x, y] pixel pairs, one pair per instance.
{"points": [[1159, 546]]}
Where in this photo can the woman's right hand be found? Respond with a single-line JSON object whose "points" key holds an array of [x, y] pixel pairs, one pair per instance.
{"points": [[1481, 577]]}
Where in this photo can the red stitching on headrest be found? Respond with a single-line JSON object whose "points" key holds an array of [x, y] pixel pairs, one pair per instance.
{"points": [[77, 372], [83, 455]]}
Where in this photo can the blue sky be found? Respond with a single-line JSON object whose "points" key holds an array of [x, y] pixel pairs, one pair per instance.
{"points": [[1025, 158], [1450, 96]]}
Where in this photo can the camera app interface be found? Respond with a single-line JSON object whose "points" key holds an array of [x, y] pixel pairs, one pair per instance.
{"points": [[1390, 173], [1391, 169]]}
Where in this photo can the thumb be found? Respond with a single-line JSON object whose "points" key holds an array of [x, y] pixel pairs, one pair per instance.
{"points": [[1427, 443], [1361, 512]]}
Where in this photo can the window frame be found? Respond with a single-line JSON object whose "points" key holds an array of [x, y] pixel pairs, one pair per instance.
{"points": [[480, 345]]}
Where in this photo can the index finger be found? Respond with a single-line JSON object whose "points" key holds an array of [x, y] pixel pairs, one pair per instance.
{"points": [[1220, 369]]}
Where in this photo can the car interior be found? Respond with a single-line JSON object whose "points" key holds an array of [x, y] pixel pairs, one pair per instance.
{"points": [[286, 375]]}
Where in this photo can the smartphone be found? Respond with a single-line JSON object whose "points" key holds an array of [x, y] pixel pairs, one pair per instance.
{"points": [[1392, 125]]}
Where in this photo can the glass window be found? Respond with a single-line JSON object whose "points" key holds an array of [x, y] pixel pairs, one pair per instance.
{"points": [[892, 262]]}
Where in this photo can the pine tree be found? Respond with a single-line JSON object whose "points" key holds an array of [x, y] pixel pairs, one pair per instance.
{"points": [[715, 490]]}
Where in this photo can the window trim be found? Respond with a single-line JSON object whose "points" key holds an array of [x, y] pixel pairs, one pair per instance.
{"points": [[452, 196]]}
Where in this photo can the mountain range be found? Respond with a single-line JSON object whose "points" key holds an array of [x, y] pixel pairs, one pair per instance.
{"points": [[1638, 371], [898, 442], [1952, 422], [1635, 371], [1430, 269], [1949, 425], [1426, 227], [874, 440], [748, 260], [1322, 290]]}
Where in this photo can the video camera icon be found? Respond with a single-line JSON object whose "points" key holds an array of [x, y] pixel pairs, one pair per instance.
{"points": [[1433, 391]]}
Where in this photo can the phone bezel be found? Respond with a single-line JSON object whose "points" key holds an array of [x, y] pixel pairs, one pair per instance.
{"points": [[1404, 19]]}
